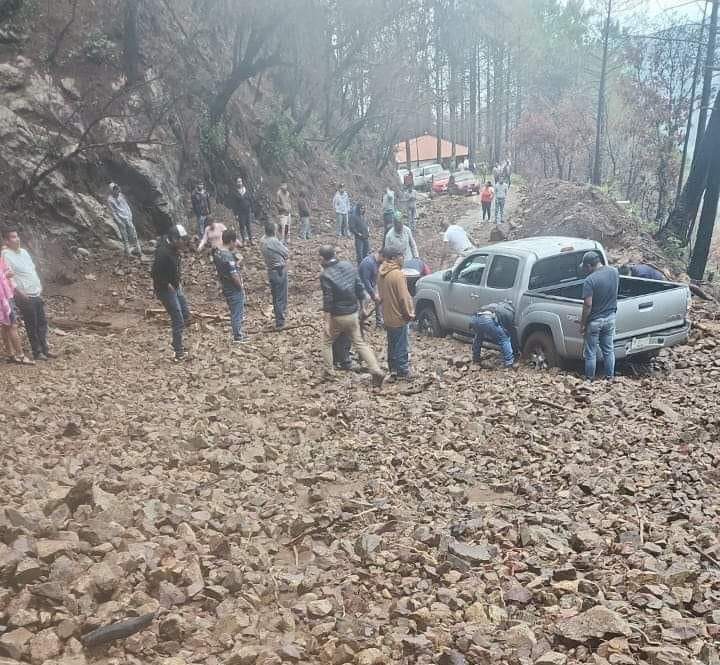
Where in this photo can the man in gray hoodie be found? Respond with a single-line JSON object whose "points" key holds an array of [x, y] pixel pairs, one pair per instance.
{"points": [[122, 214]]}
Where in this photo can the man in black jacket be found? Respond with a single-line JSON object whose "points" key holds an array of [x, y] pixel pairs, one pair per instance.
{"points": [[359, 228], [242, 207], [167, 285], [343, 294]]}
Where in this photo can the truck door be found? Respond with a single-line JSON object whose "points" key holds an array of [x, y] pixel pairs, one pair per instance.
{"points": [[465, 291], [501, 278]]}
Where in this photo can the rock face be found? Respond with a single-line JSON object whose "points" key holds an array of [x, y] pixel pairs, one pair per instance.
{"points": [[33, 105], [595, 624]]}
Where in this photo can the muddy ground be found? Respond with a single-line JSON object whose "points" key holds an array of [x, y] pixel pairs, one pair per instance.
{"points": [[472, 516]]}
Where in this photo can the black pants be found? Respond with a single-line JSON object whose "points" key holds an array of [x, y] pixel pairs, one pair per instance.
{"points": [[341, 352], [33, 314], [245, 227], [486, 205]]}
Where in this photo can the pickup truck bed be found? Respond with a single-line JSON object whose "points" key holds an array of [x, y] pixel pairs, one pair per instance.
{"points": [[647, 318]]}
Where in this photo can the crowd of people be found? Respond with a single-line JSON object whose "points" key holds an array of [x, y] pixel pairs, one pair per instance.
{"points": [[351, 292]]}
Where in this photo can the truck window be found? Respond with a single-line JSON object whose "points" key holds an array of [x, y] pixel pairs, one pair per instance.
{"points": [[472, 269], [503, 272], [556, 270]]}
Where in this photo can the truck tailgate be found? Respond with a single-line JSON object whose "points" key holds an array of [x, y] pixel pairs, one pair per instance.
{"points": [[642, 315]]}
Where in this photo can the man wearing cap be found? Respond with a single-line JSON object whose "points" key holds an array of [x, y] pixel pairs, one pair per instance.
{"points": [[597, 324], [122, 214], [496, 324], [167, 285], [341, 204], [343, 295]]}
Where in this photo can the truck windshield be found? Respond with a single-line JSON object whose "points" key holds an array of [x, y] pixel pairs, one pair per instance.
{"points": [[556, 270]]}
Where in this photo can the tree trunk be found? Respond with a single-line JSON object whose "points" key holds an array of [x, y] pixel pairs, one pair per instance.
{"points": [[709, 72], [408, 156], [693, 89], [682, 217], [703, 240], [498, 92], [473, 108], [600, 119], [132, 42]]}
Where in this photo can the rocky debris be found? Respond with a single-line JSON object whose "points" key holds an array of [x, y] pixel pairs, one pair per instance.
{"points": [[263, 517], [596, 623], [574, 210], [474, 554]]}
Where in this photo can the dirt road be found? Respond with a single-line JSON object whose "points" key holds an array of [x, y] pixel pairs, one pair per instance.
{"points": [[473, 516]]}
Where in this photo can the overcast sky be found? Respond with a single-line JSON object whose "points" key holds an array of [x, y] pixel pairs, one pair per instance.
{"points": [[693, 8]]}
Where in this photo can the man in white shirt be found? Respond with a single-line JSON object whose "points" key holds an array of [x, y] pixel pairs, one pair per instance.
{"points": [[501, 192], [341, 203], [457, 242], [28, 294]]}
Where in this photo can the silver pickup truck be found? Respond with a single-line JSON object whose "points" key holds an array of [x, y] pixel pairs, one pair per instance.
{"points": [[541, 277]]}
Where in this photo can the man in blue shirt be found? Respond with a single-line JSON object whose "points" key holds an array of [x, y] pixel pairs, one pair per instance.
{"points": [[642, 270], [597, 324], [368, 270]]}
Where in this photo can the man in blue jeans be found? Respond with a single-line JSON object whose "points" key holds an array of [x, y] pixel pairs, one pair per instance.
{"points": [[495, 323], [360, 229], [167, 285], [276, 256], [227, 264], [597, 324]]}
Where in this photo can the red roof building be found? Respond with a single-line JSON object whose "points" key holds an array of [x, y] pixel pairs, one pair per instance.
{"points": [[424, 149]]}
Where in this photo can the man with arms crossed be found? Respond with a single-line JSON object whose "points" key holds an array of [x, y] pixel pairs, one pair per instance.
{"points": [[597, 324]]}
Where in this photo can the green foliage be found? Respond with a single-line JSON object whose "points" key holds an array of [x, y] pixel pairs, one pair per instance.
{"points": [[278, 142], [100, 49], [212, 136]]}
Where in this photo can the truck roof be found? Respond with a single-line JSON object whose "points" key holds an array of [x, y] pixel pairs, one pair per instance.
{"points": [[543, 246]]}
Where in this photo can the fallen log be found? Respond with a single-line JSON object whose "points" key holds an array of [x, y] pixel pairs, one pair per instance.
{"points": [[697, 291], [205, 316], [77, 324], [117, 631]]}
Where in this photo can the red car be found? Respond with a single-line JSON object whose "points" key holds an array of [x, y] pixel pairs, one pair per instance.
{"points": [[466, 184], [440, 182]]}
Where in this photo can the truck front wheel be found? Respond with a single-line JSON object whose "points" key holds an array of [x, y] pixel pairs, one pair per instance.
{"points": [[428, 323], [539, 351]]}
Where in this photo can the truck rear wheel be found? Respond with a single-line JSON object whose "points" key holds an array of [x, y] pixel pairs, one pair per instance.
{"points": [[428, 323], [539, 351]]}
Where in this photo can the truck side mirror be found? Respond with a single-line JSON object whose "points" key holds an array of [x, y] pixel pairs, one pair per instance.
{"points": [[447, 276]]}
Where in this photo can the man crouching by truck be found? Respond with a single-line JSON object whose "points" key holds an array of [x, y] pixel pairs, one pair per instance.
{"points": [[496, 324], [597, 324]]}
